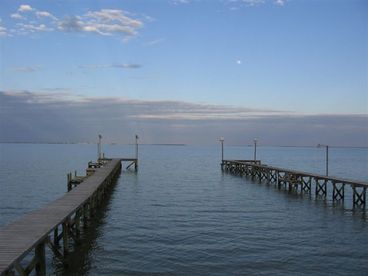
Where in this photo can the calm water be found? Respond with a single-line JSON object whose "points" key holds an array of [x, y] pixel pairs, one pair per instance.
{"points": [[180, 215]]}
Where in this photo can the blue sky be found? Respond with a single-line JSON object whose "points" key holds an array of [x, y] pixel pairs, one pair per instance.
{"points": [[295, 57]]}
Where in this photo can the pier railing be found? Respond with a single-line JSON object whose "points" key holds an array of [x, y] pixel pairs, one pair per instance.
{"points": [[299, 181]]}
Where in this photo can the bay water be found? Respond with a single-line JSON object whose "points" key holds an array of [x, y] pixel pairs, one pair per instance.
{"points": [[180, 215]]}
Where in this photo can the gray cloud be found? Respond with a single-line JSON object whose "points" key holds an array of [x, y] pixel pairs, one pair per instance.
{"points": [[102, 66], [70, 24], [27, 69], [62, 117]]}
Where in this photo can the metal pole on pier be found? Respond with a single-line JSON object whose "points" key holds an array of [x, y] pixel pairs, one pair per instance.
{"points": [[255, 149], [327, 148], [136, 146], [99, 147], [136, 152], [327, 160], [222, 152]]}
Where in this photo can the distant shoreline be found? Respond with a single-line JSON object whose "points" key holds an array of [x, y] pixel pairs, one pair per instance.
{"points": [[175, 144]]}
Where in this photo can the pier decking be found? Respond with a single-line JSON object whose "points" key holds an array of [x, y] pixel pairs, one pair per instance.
{"points": [[299, 181], [59, 221]]}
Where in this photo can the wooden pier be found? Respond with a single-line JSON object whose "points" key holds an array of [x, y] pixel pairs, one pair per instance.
{"points": [[57, 224], [299, 181]]}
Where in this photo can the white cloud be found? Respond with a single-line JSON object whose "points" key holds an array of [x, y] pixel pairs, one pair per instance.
{"points": [[107, 15], [103, 22], [25, 8], [280, 2], [33, 28], [239, 62], [41, 14], [16, 16], [3, 31]]}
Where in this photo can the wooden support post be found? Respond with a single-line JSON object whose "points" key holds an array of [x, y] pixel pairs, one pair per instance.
{"points": [[18, 267], [9, 272], [279, 180], [55, 250], [56, 236], [90, 207], [306, 185], [359, 198], [66, 238], [290, 181], [253, 173], [41, 259], [69, 181], [259, 174], [77, 223], [85, 215], [273, 176], [338, 192], [321, 188]]}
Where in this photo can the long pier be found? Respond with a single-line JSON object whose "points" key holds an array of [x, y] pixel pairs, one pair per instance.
{"points": [[57, 224], [299, 181]]}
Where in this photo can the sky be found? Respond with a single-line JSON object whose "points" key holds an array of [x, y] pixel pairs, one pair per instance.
{"points": [[289, 72]]}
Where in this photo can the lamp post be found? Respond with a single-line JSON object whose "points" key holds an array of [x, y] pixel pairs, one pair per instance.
{"points": [[326, 146], [136, 146], [136, 153], [255, 149], [222, 152], [99, 147], [222, 148]]}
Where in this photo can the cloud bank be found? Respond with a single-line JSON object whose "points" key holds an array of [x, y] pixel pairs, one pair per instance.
{"points": [[61, 117], [106, 22]]}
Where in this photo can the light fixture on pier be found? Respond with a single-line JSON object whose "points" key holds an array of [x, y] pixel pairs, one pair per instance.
{"points": [[136, 147], [326, 146], [99, 147], [255, 148], [222, 149]]}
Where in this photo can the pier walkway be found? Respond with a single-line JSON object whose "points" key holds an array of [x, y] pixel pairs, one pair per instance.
{"points": [[59, 222], [299, 181]]}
